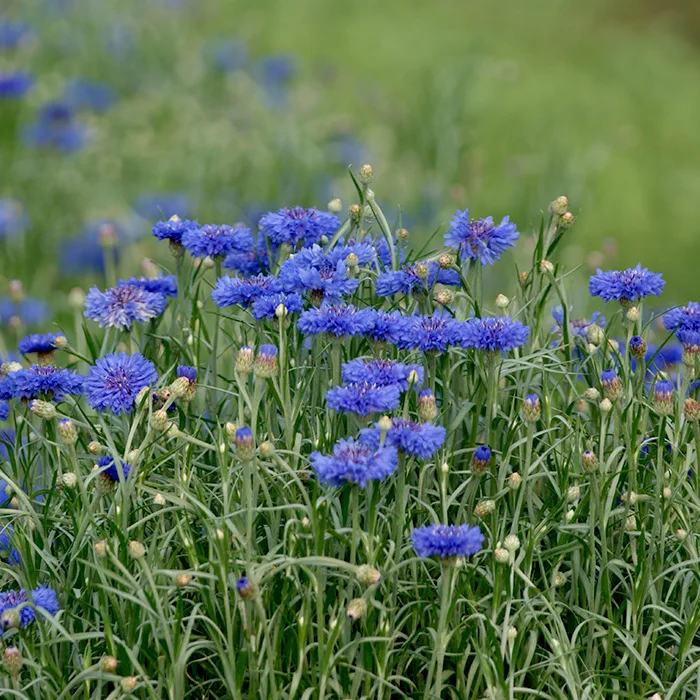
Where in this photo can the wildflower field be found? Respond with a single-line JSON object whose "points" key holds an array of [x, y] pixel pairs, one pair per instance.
{"points": [[266, 434]]}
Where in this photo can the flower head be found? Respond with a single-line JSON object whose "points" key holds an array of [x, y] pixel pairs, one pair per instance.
{"points": [[447, 541], [217, 241], [420, 440], [312, 270], [243, 291], [381, 373], [56, 126], [354, 462], [163, 284], [663, 397], [15, 84], [480, 239], [409, 279], [116, 471], [298, 225], [431, 333], [495, 334], [115, 381], [28, 312], [626, 286], [4, 410], [363, 398], [43, 599], [190, 373], [480, 459], [338, 320], [44, 382], [120, 306], [266, 306], [683, 317], [173, 229], [385, 327], [41, 344]]}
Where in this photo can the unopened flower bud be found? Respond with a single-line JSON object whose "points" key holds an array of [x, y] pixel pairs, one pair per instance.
{"points": [[101, 548], [9, 367], [368, 575], [10, 619], [421, 270], [630, 523], [94, 448], [558, 580], [511, 543], [245, 360], [366, 174], [16, 289], [592, 394], [638, 347], [180, 388], [355, 212], [581, 406], [108, 664], [569, 515], [691, 410], [143, 395], [444, 297], [531, 408], [182, 580], [524, 277], [484, 508], [159, 500], [246, 588], [403, 234], [352, 261], [502, 301], [480, 460], [12, 661], [245, 445], [69, 480], [67, 432], [501, 555], [512, 634], [159, 421], [128, 683], [230, 431], [667, 493], [265, 365], [515, 481], [663, 398], [44, 409], [76, 299], [267, 449], [595, 334], [546, 267], [357, 609], [384, 424], [559, 205], [567, 220], [681, 534], [107, 236], [281, 311], [589, 460], [427, 406], [605, 406], [136, 549], [335, 206], [613, 346], [632, 315], [446, 261], [573, 494]]}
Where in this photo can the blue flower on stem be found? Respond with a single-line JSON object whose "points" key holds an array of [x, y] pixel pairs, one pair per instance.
{"points": [[120, 306], [626, 286], [43, 382], [337, 320], [480, 239], [387, 327], [447, 541], [267, 305], [355, 463], [364, 398], [217, 241], [381, 373], [409, 279], [115, 381], [173, 229], [243, 291], [420, 440], [494, 334], [432, 334], [298, 225], [42, 344], [116, 471], [163, 284]]}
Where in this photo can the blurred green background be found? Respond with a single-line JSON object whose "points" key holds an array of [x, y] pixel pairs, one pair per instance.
{"points": [[499, 107]]}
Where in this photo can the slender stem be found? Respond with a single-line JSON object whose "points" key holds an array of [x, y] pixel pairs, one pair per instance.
{"points": [[441, 638]]}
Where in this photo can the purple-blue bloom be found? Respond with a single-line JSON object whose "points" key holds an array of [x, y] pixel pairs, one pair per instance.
{"points": [[252, 262], [4, 410], [683, 318], [407, 280], [387, 327], [15, 84], [298, 225], [381, 373], [120, 306], [431, 333], [42, 597], [29, 312], [43, 382], [230, 291], [42, 344], [480, 239], [189, 372], [363, 398], [115, 471], [421, 440], [56, 126], [217, 241], [494, 334], [355, 463], [447, 541], [163, 284], [14, 34], [338, 320], [173, 229], [115, 381], [266, 305], [579, 326], [625, 286]]}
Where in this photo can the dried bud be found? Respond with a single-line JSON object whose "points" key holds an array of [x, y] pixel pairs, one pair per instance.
{"points": [[357, 609], [44, 409], [484, 508], [446, 261], [182, 580], [559, 205], [368, 575], [94, 448], [108, 664], [136, 549]]}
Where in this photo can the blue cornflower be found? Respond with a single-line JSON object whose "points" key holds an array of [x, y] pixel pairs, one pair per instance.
{"points": [[266, 306], [480, 239], [689, 338], [15, 84], [43, 382], [251, 262], [480, 459], [381, 373], [230, 291], [173, 229], [120, 306], [13, 218], [189, 372], [579, 326], [355, 463], [612, 386], [335, 319], [163, 284], [626, 286], [312, 270], [364, 398], [385, 327], [447, 541], [431, 333], [410, 279], [116, 380], [42, 344], [683, 318], [363, 250], [88, 94], [298, 225], [56, 126], [217, 241], [115, 471], [246, 588], [4, 410], [13, 35], [420, 440], [495, 334], [43, 598]]}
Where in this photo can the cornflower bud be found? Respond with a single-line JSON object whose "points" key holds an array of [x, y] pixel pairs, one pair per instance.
{"points": [[44, 409], [444, 297], [266, 362], [67, 432], [501, 555], [663, 398], [567, 220], [592, 394], [511, 543], [589, 461], [531, 409], [159, 421], [69, 480], [691, 410], [632, 314], [246, 588], [183, 580], [559, 205], [612, 386], [595, 334], [427, 406], [267, 449], [108, 664], [605, 406], [368, 575], [515, 481], [357, 609], [366, 174], [502, 301], [484, 508], [136, 549], [638, 347], [335, 206], [480, 460], [94, 448], [546, 267], [245, 445], [245, 360], [12, 661], [446, 261]]}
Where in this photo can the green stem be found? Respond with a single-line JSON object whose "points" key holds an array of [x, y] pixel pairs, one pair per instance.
{"points": [[438, 659]]}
